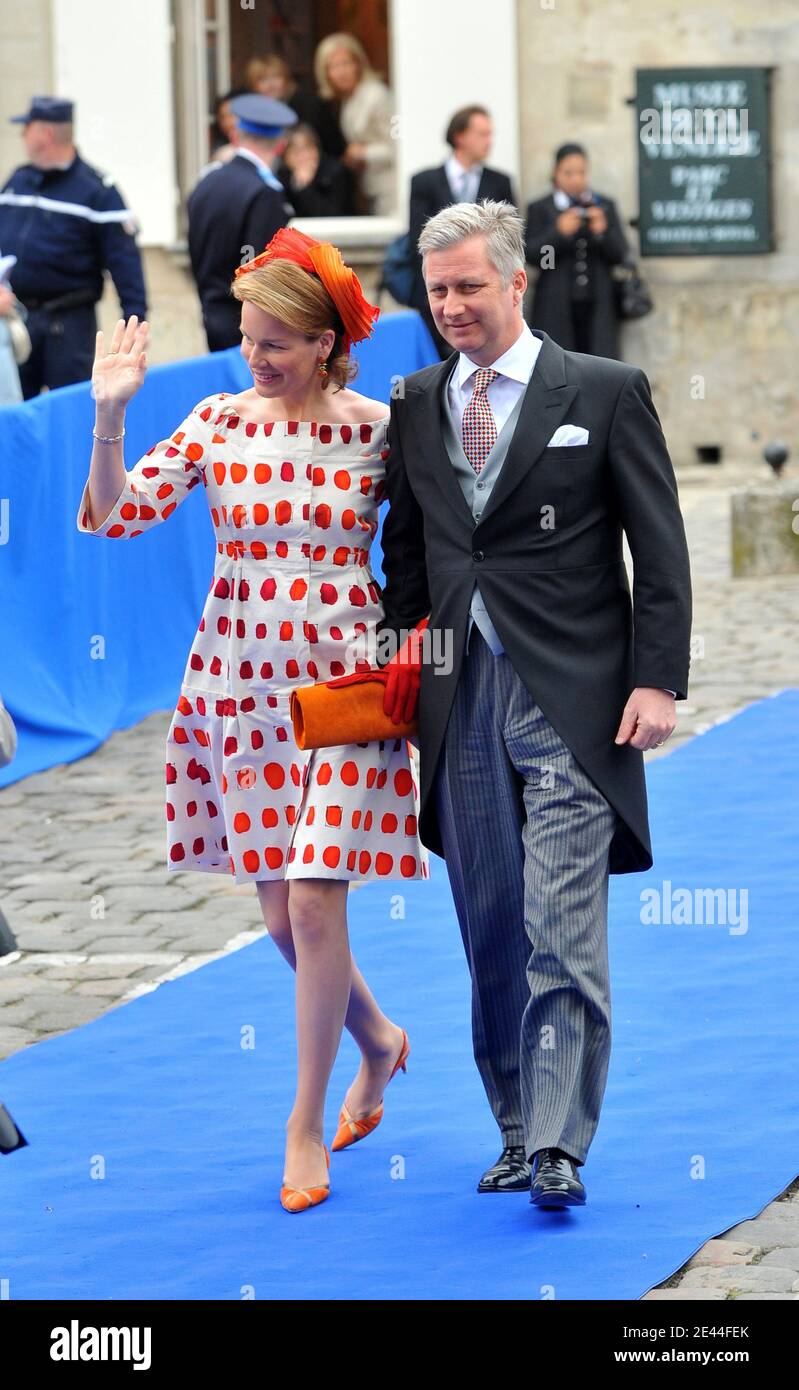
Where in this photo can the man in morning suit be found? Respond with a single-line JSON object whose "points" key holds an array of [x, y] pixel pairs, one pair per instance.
{"points": [[463, 177], [514, 469]]}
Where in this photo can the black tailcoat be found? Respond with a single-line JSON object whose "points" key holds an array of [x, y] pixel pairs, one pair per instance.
{"points": [[558, 595]]}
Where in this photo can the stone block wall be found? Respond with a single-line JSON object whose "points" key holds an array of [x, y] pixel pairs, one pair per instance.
{"points": [[721, 347]]}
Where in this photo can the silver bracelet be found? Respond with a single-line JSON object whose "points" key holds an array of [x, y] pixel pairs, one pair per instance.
{"points": [[109, 438]]}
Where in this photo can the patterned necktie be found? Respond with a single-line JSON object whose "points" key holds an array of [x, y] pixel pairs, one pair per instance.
{"points": [[479, 428]]}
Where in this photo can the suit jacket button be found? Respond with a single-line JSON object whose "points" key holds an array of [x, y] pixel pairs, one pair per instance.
{"points": [[478, 555]]}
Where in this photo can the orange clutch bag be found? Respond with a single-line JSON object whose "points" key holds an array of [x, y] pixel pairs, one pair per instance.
{"points": [[346, 710]]}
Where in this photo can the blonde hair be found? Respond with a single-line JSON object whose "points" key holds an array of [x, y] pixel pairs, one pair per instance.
{"points": [[324, 52], [298, 299], [260, 67]]}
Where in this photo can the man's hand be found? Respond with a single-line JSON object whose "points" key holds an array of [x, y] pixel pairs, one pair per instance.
{"points": [[404, 671], [648, 719]]}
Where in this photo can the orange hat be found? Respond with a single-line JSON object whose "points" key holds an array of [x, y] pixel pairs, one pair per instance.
{"points": [[324, 259]]}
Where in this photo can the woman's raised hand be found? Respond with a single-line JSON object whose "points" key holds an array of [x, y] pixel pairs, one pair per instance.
{"points": [[118, 373]]}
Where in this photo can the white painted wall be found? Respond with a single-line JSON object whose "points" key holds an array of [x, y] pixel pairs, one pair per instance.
{"points": [[114, 61], [444, 56]]}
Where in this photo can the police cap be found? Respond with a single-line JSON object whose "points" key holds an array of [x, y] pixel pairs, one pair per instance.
{"points": [[257, 115], [46, 109]]}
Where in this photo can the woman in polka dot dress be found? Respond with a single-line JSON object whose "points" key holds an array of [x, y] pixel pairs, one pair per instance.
{"points": [[294, 475]]}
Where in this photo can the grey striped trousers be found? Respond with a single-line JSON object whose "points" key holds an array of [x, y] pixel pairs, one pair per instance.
{"points": [[526, 835]]}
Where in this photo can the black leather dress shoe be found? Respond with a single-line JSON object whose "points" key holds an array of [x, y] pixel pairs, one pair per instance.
{"points": [[554, 1180], [510, 1173]]}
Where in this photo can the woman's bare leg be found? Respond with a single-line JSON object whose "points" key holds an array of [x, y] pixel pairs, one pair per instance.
{"points": [[318, 915], [378, 1039]]}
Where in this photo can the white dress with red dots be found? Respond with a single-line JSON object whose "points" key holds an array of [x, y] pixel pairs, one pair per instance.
{"points": [[294, 506]]}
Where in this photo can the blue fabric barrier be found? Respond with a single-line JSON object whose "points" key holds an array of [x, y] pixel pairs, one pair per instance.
{"points": [[95, 636]]}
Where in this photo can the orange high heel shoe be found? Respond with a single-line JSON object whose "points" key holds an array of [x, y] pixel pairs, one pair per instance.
{"points": [[350, 1130], [301, 1198]]}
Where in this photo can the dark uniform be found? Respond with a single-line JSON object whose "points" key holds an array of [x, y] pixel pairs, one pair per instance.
{"points": [[66, 226], [234, 210]]}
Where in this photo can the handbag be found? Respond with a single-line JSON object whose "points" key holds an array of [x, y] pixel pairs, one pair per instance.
{"points": [[8, 737], [633, 298], [348, 709], [10, 389]]}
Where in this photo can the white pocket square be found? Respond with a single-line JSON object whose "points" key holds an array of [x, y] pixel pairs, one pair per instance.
{"points": [[566, 435]]}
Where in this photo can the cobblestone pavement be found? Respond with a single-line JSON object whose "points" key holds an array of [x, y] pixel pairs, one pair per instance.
{"points": [[93, 935]]}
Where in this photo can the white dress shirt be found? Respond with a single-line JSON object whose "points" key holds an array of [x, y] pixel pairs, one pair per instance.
{"points": [[562, 200], [463, 182], [515, 367]]}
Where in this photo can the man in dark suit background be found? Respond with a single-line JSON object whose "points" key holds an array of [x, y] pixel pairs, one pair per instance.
{"points": [[463, 177], [514, 471], [234, 211]]}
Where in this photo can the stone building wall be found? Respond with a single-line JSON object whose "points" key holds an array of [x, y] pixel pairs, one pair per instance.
{"points": [[733, 320], [25, 70]]}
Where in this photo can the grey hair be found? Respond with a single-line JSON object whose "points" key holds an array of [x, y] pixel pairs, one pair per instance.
{"points": [[499, 223]]}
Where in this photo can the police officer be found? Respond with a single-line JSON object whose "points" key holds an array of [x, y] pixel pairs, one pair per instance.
{"points": [[66, 223], [235, 208]]}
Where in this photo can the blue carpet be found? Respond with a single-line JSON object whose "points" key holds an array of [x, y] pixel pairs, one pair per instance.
{"points": [[699, 1130]]}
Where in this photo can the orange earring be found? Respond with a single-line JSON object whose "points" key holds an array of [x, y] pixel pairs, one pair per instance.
{"points": [[323, 372]]}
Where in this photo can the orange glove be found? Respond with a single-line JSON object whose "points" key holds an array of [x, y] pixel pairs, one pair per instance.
{"points": [[404, 674]]}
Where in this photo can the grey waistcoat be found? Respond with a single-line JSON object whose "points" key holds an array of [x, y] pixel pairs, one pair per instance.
{"points": [[476, 488]]}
